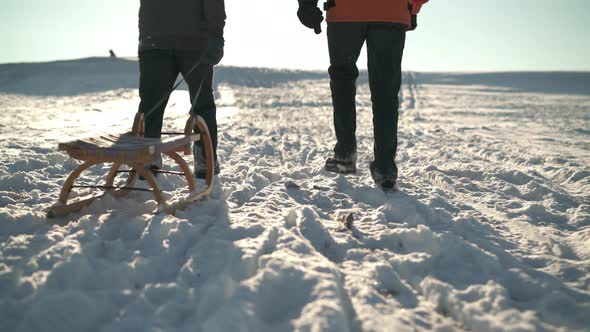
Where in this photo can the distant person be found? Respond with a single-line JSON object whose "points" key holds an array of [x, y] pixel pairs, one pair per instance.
{"points": [[382, 24], [186, 37], [112, 54]]}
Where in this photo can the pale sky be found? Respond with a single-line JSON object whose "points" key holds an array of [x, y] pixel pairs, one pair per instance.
{"points": [[453, 35]]}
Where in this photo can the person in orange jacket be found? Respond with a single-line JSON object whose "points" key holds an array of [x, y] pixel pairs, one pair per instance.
{"points": [[382, 25]]}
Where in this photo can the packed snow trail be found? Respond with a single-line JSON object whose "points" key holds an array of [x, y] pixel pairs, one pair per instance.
{"points": [[488, 230]]}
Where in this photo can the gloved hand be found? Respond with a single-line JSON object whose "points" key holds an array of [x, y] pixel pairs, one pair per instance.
{"points": [[414, 23], [214, 52], [310, 15]]}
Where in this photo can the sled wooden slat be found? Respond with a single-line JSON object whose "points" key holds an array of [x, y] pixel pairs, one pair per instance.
{"points": [[124, 147], [136, 152]]}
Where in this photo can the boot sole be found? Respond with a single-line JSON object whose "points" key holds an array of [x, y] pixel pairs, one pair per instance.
{"points": [[387, 186], [339, 170]]}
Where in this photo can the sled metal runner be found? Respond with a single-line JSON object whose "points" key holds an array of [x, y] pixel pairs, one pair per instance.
{"points": [[135, 152]]}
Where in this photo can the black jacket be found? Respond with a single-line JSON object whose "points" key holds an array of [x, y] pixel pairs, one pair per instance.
{"points": [[179, 24]]}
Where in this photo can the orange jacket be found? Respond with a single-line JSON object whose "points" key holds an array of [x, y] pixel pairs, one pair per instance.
{"points": [[394, 11]]}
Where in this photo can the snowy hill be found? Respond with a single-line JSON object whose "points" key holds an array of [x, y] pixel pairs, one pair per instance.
{"points": [[489, 229], [72, 77]]}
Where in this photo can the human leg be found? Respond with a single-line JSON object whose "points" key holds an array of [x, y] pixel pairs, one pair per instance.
{"points": [[204, 105], [204, 102], [385, 45], [157, 73], [200, 83], [345, 41]]}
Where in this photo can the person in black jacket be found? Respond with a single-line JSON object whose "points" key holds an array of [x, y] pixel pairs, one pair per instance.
{"points": [[179, 36]]}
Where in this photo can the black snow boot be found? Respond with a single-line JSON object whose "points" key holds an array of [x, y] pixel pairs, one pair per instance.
{"points": [[384, 180], [342, 165]]}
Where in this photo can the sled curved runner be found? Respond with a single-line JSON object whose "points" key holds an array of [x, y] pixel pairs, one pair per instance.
{"points": [[136, 153]]}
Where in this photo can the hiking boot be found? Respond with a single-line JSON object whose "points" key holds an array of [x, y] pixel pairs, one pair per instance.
{"points": [[340, 165], [200, 163], [383, 179], [154, 166]]}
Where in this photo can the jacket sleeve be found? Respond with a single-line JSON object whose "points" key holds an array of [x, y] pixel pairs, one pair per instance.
{"points": [[214, 14], [416, 5]]}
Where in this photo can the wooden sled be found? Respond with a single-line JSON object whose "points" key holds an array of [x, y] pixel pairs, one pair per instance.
{"points": [[136, 153]]}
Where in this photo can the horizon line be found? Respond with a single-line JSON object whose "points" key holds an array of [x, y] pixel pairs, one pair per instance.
{"points": [[438, 71]]}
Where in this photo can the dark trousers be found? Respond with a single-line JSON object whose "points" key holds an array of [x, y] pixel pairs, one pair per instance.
{"points": [[158, 71], [204, 105], [385, 46]]}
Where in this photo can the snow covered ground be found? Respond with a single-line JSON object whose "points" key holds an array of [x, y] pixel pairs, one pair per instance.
{"points": [[489, 229]]}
